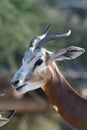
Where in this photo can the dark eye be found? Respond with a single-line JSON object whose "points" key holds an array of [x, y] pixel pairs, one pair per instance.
{"points": [[38, 62]]}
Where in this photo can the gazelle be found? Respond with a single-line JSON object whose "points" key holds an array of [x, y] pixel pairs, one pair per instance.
{"points": [[40, 70], [5, 115]]}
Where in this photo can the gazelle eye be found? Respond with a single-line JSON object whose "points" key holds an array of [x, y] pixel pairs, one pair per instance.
{"points": [[38, 62]]}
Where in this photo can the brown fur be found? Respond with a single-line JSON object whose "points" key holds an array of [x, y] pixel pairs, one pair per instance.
{"points": [[71, 106]]}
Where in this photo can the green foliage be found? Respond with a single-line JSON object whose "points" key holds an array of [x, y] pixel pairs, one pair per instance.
{"points": [[20, 20]]}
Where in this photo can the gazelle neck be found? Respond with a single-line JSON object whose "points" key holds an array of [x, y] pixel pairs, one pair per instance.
{"points": [[69, 104]]}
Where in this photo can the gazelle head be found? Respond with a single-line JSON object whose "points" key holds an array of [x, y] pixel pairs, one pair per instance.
{"points": [[37, 59]]}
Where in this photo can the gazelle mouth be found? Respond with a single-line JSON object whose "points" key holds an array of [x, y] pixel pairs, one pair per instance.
{"points": [[18, 88], [28, 86]]}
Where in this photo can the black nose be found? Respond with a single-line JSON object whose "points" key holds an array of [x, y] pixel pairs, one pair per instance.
{"points": [[15, 82]]}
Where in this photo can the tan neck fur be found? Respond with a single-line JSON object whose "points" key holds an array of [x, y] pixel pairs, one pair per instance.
{"points": [[69, 104]]}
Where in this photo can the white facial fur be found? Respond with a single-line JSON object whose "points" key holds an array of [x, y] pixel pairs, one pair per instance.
{"points": [[30, 59], [30, 86], [29, 69]]}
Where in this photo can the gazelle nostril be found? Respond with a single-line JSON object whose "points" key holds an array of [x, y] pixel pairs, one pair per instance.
{"points": [[15, 83]]}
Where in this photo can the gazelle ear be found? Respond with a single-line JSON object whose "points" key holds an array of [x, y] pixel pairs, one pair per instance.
{"points": [[5, 116], [69, 53]]}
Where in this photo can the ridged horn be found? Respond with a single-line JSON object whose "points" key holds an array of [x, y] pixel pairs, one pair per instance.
{"points": [[37, 39], [52, 37]]}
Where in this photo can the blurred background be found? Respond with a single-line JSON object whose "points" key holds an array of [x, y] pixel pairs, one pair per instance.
{"points": [[20, 21]]}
